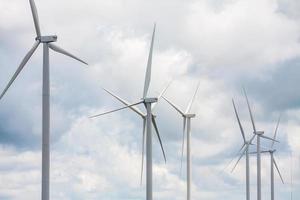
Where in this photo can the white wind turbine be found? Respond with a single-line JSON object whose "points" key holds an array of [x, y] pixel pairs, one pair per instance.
{"points": [[47, 42], [148, 103], [246, 144], [291, 176], [273, 163], [187, 116], [259, 135], [144, 117]]}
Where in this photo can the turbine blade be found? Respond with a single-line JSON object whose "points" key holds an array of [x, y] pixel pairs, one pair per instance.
{"points": [[238, 119], [149, 64], [182, 146], [250, 112], [268, 138], [192, 100], [116, 110], [238, 153], [158, 136], [35, 17], [126, 103], [143, 149], [242, 154], [277, 168], [255, 152], [160, 95], [275, 133], [251, 140], [173, 105], [64, 52], [21, 66]]}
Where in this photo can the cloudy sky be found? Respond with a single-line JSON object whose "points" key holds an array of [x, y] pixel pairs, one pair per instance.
{"points": [[224, 44]]}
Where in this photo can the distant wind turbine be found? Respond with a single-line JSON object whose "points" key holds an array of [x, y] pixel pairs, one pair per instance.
{"points": [[273, 163], [291, 175], [187, 116], [259, 135], [47, 42], [246, 144], [148, 103]]}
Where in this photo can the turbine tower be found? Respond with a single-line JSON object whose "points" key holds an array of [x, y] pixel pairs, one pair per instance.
{"points": [[150, 119], [47, 42], [187, 116]]}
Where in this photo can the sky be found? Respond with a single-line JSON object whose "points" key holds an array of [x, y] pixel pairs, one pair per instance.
{"points": [[223, 45]]}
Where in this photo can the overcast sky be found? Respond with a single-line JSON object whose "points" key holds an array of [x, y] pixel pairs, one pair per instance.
{"points": [[224, 44]]}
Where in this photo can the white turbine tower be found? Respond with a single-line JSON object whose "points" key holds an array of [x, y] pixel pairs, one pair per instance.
{"points": [[150, 119], [47, 42], [187, 116]]}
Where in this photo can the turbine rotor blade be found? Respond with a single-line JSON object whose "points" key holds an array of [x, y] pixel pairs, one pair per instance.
{"points": [[105, 113], [64, 52], [21, 66], [173, 105], [149, 64], [250, 112], [126, 103], [268, 138], [35, 18], [158, 136], [251, 140], [160, 95], [238, 153], [275, 133], [238, 119], [192, 100], [143, 149], [242, 154], [182, 146], [254, 152], [277, 168]]}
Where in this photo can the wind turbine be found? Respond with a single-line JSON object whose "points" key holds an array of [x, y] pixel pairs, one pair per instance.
{"points": [[246, 144], [144, 117], [187, 116], [148, 103], [47, 42], [291, 176], [259, 135], [273, 165]]}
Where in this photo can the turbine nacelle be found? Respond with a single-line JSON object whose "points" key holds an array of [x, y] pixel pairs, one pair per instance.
{"points": [[46, 39], [150, 100], [259, 132], [190, 115]]}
